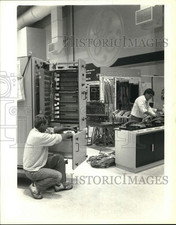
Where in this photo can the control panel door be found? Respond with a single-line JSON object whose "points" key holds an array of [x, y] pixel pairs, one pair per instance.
{"points": [[65, 148], [24, 109], [79, 148], [145, 146], [82, 94], [45, 91], [159, 146]]}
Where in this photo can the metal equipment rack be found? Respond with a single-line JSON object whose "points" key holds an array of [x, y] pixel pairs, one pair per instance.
{"points": [[59, 91]]}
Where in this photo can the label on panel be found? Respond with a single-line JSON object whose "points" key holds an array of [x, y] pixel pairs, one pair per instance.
{"points": [[79, 148], [92, 72]]}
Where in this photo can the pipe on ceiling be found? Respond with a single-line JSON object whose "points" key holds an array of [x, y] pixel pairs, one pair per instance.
{"points": [[33, 15]]}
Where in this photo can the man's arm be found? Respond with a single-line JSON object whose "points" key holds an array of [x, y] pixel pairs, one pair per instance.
{"points": [[145, 108], [66, 136], [46, 139], [152, 112], [56, 132], [149, 114], [59, 130]]}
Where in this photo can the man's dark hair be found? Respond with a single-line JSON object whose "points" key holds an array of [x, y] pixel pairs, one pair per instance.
{"points": [[149, 91], [39, 119]]}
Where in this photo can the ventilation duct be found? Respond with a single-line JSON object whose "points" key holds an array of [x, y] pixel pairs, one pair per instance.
{"points": [[56, 46], [149, 17], [33, 15]]}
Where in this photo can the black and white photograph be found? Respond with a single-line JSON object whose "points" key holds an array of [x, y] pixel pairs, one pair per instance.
{"points": [[87, 112]]}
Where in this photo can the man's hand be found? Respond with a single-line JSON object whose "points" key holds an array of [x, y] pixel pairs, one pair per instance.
{"points": [[59, 130], [49, 130], [147, 119], [67, 136], [160, 112]]}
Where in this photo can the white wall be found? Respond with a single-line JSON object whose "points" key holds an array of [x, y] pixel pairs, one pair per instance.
{"points": [[22, 42], [32, 40], [155, 68], [86, 17]]}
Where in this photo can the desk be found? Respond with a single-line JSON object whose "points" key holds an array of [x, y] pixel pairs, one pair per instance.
{"points": [[139, 150]]}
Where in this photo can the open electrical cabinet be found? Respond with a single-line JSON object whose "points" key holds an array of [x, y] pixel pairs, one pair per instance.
{"points": [[59, 92]]}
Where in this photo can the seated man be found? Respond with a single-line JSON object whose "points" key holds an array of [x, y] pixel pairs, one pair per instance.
{"points": [[44, 171]]}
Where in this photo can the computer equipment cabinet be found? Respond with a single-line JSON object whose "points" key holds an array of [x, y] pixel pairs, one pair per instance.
{"points": [[59, 91]]}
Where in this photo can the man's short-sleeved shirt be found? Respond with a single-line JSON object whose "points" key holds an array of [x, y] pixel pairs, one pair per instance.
{"points": [[141, 106]]}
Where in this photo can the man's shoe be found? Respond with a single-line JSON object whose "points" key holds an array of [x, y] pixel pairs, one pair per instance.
{"points": [[34, 191], [63, 187]]}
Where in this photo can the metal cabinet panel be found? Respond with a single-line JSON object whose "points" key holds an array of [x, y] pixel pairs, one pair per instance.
{"points": [[79, 148], [74, 148], [69, 93], [65, 148], [159, 146], [41, 88], [71, 104], [144, 149], [24, 110], [82, 94], [149, 148]]}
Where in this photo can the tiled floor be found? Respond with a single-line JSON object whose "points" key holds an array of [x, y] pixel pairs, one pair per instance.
{"points": [[99, 196]]}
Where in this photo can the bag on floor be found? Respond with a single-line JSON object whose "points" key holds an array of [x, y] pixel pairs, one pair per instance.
{"points": [[103, 160]]}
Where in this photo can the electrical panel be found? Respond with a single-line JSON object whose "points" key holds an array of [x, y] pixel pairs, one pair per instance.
{"points": [[59, 92], [94, 93], [63, 94]]}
